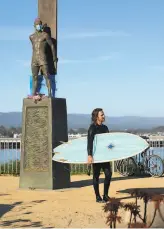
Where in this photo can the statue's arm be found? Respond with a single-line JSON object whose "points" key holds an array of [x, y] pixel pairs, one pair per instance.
{"points": [[30, 37], [49, 41]]}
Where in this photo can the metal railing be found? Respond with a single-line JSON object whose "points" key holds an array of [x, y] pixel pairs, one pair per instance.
{"points": [[10, 156]]}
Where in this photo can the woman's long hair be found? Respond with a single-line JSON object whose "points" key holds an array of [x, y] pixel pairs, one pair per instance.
{"points": [[95, 114]]}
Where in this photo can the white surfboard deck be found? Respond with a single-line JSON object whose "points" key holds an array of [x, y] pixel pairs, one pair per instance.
{"points": [[123, 145]]}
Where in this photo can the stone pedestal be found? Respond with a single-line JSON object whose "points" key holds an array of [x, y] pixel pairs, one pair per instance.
{"points": [[44, 125]]}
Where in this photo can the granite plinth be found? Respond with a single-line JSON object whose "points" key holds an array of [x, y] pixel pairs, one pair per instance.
{"points": [[44, 126]]}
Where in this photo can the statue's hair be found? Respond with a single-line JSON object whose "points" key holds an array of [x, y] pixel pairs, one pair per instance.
{"points": [[38, 20], [95, 114]]}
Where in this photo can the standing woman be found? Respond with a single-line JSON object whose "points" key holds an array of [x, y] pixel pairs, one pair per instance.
{"points": [[97, 127]]}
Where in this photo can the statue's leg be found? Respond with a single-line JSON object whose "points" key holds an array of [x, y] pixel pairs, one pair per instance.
{"points": [[46, 76], [35, 71]]}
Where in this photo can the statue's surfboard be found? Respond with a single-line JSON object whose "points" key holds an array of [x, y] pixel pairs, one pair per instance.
{"points": [[106, 147], [42, 87]]}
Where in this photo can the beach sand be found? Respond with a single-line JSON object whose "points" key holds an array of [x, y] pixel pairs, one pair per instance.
{"points": [[73, 207]]}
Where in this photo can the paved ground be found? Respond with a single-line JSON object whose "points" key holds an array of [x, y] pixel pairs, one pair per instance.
{"points": [[74, 207]]}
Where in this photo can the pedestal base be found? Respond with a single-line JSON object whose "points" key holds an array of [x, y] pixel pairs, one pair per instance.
{"points": [[44, 125]]}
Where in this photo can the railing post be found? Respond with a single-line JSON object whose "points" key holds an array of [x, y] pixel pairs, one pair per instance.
{"points": [[113, 167]]}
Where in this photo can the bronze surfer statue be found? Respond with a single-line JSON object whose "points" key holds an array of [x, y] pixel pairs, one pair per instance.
{"points": [[40, 40]]}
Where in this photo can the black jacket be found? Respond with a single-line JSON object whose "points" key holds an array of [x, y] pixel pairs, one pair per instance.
{"points": [[94, 129]]}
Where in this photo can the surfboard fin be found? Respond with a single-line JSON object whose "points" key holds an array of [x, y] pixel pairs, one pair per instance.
{"points": [[63, 160], [65, 142], [56, 152]]}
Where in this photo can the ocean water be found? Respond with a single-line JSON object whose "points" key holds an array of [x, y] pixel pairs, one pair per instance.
{"points": [[13, 154], [9, 155]]}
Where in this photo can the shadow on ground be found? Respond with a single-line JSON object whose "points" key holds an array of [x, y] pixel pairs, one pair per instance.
{"points": [[154, 191], [4, 208], [15, 222], [155, 209], [89, 182], [21, 222], [3, 194]]}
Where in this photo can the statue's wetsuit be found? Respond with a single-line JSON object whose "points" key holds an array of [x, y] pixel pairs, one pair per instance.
{"points": [[39, 42], [98, 129]]}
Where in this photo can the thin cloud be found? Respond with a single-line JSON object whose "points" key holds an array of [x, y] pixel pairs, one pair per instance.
{"points": [[157, 67], [24, 63], [91, 60], [99, 59], [18, 33], [95, 34], [15, 33]]}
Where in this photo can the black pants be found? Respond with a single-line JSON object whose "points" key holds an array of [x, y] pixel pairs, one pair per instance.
{"points": [[96, 173]]}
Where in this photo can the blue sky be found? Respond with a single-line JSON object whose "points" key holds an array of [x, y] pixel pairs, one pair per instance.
{"points": [[111, 55]]}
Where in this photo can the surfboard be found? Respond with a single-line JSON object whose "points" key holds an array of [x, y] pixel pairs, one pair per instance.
{"points": [[106, 147], [41, 87]]}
